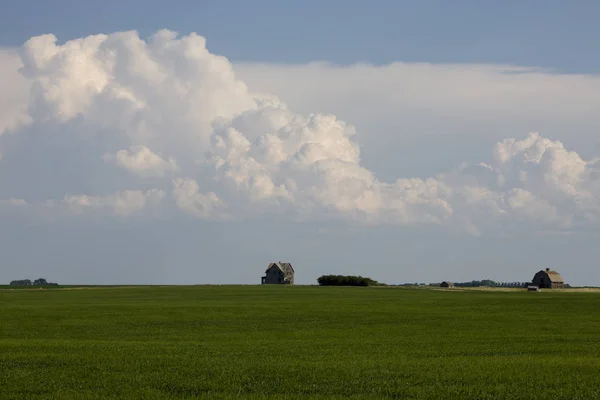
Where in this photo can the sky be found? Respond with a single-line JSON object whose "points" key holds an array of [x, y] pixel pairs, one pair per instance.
{"points": [[196, 142]]}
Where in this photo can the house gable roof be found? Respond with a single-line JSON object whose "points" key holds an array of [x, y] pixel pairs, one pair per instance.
{"points": [[286, 268]]}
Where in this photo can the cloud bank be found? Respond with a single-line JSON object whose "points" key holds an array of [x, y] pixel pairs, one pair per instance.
{"points": [[119, 126]]}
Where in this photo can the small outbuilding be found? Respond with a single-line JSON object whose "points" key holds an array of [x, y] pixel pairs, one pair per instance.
{"points": [[548, 279], [281, 273], [447, 284]]}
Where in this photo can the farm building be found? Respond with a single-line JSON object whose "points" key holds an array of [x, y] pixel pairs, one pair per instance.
{"points": [[548, 279], [279, 273], [446, 284]]}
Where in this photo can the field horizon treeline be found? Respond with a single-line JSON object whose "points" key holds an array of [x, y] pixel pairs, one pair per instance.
{"points": [[323, 280]]}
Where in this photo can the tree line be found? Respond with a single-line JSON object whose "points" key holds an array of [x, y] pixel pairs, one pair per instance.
{"points": [[490, 283], [28, 282], [346, 280]]}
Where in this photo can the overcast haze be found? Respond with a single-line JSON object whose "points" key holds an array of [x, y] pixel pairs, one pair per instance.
{"points": [[136, 152]]}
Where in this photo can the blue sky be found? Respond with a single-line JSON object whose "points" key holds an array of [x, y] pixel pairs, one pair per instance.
{"points": [[422, 166], [549, 33]]}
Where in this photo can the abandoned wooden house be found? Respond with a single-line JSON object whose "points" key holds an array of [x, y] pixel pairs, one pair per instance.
{"points": [[548, 279], [279, 273], [446, 284]]}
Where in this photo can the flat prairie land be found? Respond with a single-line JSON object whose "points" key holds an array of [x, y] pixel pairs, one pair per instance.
{"points": [[302, 342]]}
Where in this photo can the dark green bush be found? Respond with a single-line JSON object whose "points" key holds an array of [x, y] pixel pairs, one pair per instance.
{"points": [[345, 280]]}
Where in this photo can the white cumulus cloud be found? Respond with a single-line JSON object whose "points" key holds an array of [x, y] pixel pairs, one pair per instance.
{"points": [[124, 203], [188, 197], [168, 109], [142, 161], [13, 93]]}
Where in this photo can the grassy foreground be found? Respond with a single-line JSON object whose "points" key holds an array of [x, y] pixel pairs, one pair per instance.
{"points": [[252, 342]]}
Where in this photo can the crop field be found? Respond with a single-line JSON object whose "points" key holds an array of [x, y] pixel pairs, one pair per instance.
{"points": [[273, 342]]}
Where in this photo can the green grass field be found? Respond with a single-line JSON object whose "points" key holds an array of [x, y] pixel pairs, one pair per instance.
{"points": [[253, 342]]}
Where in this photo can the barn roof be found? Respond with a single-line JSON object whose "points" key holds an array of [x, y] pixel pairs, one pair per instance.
{"points": [[553, 275], [286, 268]]}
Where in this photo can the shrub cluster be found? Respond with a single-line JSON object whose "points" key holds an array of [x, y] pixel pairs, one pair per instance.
{"points": [[345, 280]]}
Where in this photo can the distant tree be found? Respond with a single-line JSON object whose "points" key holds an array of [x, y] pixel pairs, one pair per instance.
{"points": [[40, 282], [22, 282], [346, 280]]}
